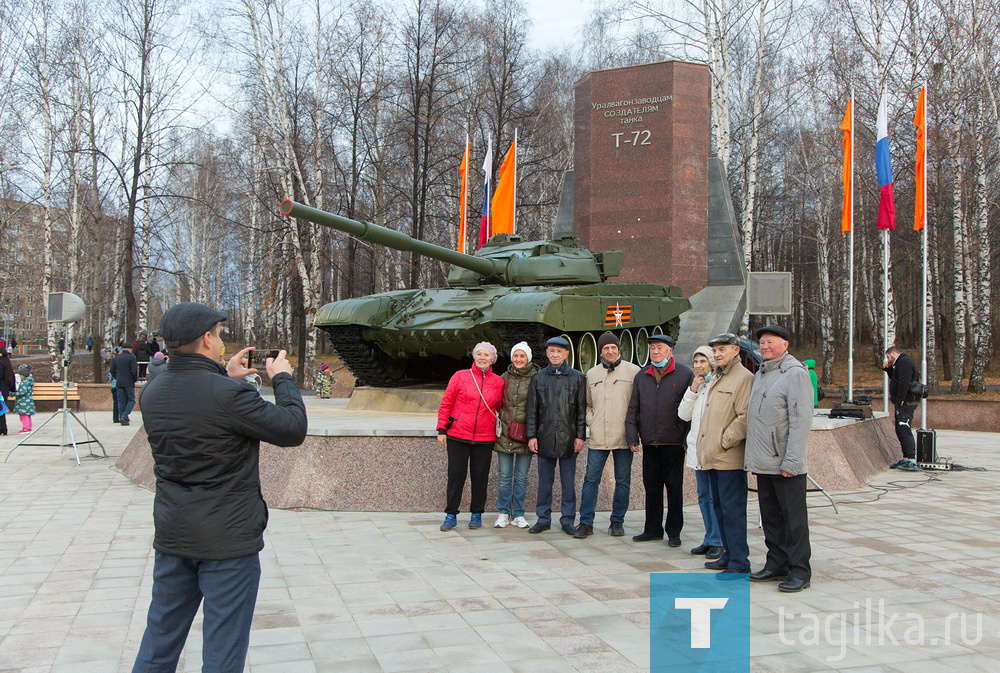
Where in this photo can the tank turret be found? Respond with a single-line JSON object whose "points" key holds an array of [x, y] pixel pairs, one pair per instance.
{"points": [[511, 290]]}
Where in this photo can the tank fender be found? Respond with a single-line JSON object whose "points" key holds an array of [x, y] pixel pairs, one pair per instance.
{"points": [[538, 307], [368, 311]]}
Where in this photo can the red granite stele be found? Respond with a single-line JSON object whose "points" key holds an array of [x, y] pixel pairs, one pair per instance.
{"points": [[642, 144]]}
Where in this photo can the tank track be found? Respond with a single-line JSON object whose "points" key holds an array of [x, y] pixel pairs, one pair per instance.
{"points": [[363, 360], [534, 333]]}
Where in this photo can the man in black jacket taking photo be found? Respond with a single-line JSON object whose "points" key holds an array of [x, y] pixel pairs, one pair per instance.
{"points": [[205, 425], [902, 371]]}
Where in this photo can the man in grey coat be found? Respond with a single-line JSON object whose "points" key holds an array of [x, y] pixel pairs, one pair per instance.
{"points": [[779, 420]]}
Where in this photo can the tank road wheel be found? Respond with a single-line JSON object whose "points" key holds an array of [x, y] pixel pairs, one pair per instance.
{"points": [[627, 347], [642, 347], [587, 348], [657, 330], [572, 350]]}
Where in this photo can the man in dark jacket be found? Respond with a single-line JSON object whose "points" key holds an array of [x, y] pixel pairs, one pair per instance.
{"points": [[556, 425], [902, 371], [652, 418], [205, 425], [125, 372]]}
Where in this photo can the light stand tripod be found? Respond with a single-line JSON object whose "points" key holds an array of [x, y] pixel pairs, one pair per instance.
{"points": [[65, 413]]}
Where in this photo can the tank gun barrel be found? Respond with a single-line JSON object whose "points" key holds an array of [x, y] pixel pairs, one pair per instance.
{"points": [[390, 238]]}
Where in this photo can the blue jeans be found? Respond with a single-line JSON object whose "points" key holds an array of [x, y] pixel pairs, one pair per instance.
{"points": [[729, 494], [126, 401], [567, 479], [230, 591], [513, 484], [713, 538], [623, 484]]}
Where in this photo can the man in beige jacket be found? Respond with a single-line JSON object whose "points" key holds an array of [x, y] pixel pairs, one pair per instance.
{"points": [[721, 442], [609, 387]]}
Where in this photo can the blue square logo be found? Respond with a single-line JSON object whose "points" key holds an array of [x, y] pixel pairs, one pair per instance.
{"points": [[698, 623]]}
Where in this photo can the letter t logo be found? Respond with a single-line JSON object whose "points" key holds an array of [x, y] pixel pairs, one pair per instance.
{"points": [[701, 618]]}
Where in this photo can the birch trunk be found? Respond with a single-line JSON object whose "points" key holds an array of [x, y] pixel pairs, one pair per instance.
{"points": [[980, 315], [959, 252], [750, 195], [717, 43]]}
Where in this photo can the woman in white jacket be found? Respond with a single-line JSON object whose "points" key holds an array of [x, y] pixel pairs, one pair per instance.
{"points": [[690, 409]]}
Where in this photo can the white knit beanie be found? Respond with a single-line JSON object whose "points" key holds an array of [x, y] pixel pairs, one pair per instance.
{"points": [[523, 347]]}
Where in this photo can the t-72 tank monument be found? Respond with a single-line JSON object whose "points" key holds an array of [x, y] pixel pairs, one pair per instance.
{"points": [[510, 290]]}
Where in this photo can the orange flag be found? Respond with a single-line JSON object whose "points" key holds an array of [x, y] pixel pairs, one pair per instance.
{"points": [[503, 196], [848, 172], [921, 122], [463, 170]]}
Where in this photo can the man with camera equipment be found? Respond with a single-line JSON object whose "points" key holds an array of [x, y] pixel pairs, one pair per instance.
{"points": [[902, 371], [205, 425]]}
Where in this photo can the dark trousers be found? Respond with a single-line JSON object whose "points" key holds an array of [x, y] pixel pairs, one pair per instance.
{"points": [[904, 430], [464, 457], [729, 500], [663, 467], [114, 402], [230, 591], [567, 483], [785, 521], [126, 401], [3, 417]]}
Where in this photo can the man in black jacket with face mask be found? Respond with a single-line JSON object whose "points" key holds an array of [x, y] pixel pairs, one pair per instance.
{"points": [[205, 425], [556, 425], [902, 371]]}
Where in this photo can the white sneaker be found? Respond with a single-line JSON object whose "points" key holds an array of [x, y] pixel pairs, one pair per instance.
{"points": [[520, 522], [502, 521]]}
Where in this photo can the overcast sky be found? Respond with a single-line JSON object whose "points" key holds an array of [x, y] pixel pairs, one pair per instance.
{"points": [[556, 22]]}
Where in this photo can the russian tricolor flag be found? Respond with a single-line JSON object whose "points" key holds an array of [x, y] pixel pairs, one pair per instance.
{"points": [[485, 224], [886, 208]]}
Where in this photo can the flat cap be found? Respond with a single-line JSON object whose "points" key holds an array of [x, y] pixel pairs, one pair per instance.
{"points": [[776, 330], [185, 322], [661, 338], [725, 339], [557, 341]]}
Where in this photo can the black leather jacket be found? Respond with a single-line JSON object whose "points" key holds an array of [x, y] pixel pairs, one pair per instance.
{"points": [[557, 410], [652, 410], [205, 430]]}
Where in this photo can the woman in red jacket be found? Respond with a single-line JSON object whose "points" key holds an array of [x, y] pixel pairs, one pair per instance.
{"points": [[467, 426]]}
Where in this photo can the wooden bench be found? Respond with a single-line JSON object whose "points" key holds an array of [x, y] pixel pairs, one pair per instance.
{"points": [[53, 392]]}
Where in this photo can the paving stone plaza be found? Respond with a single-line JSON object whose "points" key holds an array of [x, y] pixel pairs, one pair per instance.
{"points": [[360, 592]]}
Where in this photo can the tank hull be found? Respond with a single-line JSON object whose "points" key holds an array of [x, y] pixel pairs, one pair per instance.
{"points": [[418, 336]]}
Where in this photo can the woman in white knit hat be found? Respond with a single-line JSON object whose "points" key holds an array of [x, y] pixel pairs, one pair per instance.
{"points": [[511, 447]]}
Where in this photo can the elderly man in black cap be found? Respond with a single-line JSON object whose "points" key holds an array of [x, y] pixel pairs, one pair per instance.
{"points": [[205, 425], [652, 418], [778, 426], [556, 425], [125, 372], [609, 388]]}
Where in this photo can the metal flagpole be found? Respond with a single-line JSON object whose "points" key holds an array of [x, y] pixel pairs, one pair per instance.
{"points": [[513, 225], [885, 315], [923, 322], [850, 302]]}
